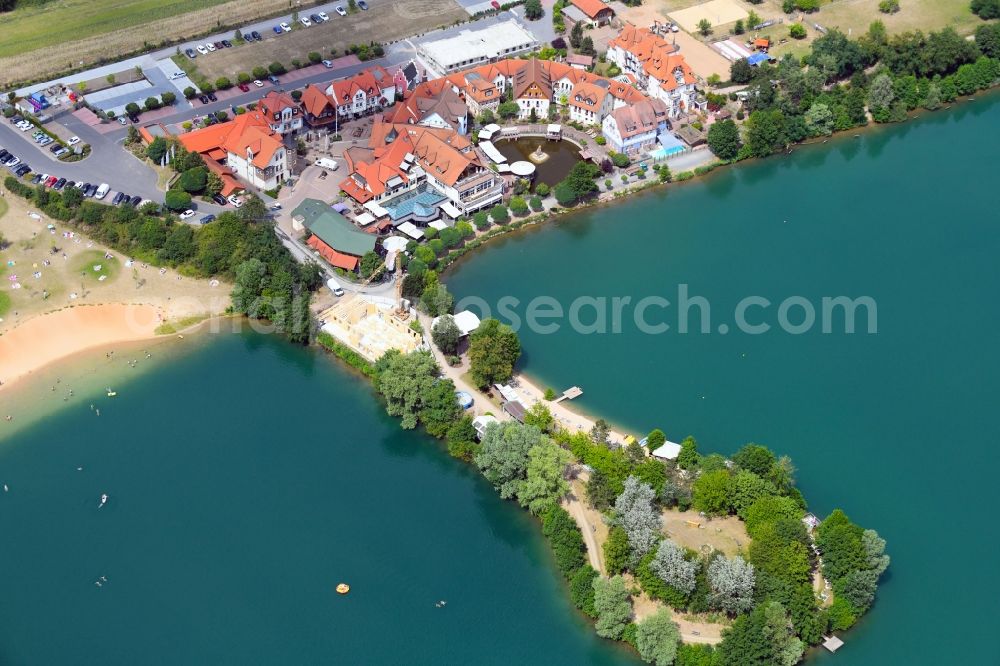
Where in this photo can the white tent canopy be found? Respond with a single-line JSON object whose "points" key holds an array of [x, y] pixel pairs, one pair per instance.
{"points": [[411, 230], [492, 152], [375, 209], [438, 224], [394, 244], [449, 209], [669, 451], [465, 320], [365, 219]]}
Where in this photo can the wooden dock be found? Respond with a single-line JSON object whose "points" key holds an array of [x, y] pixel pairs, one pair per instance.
{"points": [[832, 643], [570, 393]]}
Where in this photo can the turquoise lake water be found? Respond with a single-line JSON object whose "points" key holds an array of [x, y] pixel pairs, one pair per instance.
{"points": [[245, 480], [898, 428]]}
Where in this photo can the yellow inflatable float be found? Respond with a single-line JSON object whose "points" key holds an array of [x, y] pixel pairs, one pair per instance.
{"points": [[343, 588]]}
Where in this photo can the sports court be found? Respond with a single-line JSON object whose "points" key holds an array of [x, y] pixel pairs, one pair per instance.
{"points": [[718, 12]]}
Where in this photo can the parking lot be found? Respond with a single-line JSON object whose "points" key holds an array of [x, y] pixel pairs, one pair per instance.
{"points": [[384, 21]]}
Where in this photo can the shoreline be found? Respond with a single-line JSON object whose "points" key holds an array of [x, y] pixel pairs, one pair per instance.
{"points": [[48, 339]]}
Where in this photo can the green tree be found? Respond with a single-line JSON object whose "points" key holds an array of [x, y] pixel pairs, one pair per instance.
{"points": [[544, 485], [711, 492], [539, 416], [493, 350], [189, 92], [766, 132], [797, 31], [132, 108], [249, 283], [705, 27], [688, 458], [168, 98], [412, 390], [461, 439], [612, 605], [194, 180], [616, 551], [518, 206], [499, 214], [446, 335], [724, 139], [177, 200], [152, 103], [533, 10], [565, 538], [508, 109], [581, 589], [157, 149], [370, 262], [657, 638], [503, 459]]}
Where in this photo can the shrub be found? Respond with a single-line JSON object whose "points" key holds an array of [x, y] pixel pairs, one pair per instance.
{"points": [[244, 77], [620, 160], [499, 214], [168, 98], [177, 200], [259, 73], [296, 63], [481, 220], [797, 31], [189, 92], [542, 190], [315, 57], [223, 83], [536, 204], [276, 68], [518, 206]]}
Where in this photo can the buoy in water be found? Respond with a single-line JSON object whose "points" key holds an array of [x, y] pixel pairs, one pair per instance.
{"points": [[343, 588]]}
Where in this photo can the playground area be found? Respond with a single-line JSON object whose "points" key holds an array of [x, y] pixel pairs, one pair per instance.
{"points": [[717, 12], [691, 530]]}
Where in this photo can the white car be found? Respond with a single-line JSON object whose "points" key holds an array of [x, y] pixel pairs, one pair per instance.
{"points": [[328, 64], [210, 46], [258, 83], [177, 75], [324, 16], [122, 121], [340, 10], [235, 200], [187, 214], [285, 27], [304, 21], [25, 125], [201, 49], [73, 140]]}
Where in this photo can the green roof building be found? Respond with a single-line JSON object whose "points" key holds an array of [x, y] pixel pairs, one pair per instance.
{"points": [[333, 228]]}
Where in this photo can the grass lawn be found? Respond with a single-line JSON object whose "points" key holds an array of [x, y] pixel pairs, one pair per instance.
{"points": [[92, 266], [37, 26], [171, 327]]}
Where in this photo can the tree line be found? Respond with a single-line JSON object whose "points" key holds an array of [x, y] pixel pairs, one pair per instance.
{"points": [[240, 246], [842, 82]]}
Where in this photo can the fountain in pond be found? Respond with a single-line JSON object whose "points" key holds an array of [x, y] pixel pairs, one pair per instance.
{"points": [[538, 156]]}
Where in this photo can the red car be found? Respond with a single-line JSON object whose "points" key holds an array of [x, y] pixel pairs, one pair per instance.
{"points": [[244, 87], [496, 5], [51, 181]]}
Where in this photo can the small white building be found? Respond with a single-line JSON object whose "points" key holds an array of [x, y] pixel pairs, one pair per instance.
{"points": [[668, 451], [466, 321], [480, 423]]}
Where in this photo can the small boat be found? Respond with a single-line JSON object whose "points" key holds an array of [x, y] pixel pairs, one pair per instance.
{"points": [[104, 500], [343, 588], [111, 393]]}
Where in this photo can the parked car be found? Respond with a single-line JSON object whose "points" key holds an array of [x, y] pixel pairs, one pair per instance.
{"points": [[286, 27], [363, 4], [212, 97], [89, 190], [13, 162], [187, 214], [304, 21], [22, 170], [37, 179], [190, 53], [323, 16], [244, 87], [203, 99], [17, 119], [328, 64], [201, 49], [210, 47], [235, 200], [219, 45], [208, 218], [83, 187], [60, 151], [219, 199], [340, 10], [54, 148], [59, 184], [117, 199], [70, 184], [256, 35], [73, 140], [135, 201], [52, 180], [315, 18], [227, 44], [102, 191], [277, 29], [122, 121], [46, 141], [273, 79], [258, 83]]}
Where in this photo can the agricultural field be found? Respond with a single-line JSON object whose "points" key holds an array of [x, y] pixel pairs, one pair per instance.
{"points": [[850, 16], [45, 38], [383, 22]]}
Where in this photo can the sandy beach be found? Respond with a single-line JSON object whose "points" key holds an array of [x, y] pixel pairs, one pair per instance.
{"points": [[63, 293], [52, 336]]}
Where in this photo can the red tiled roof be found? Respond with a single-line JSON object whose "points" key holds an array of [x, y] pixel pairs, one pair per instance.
{"points": [[246, 131], [337, 259], [592, 8]]}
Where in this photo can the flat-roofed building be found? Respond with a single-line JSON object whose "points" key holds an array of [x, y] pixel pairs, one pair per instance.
{"points": [[475, 47]]}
